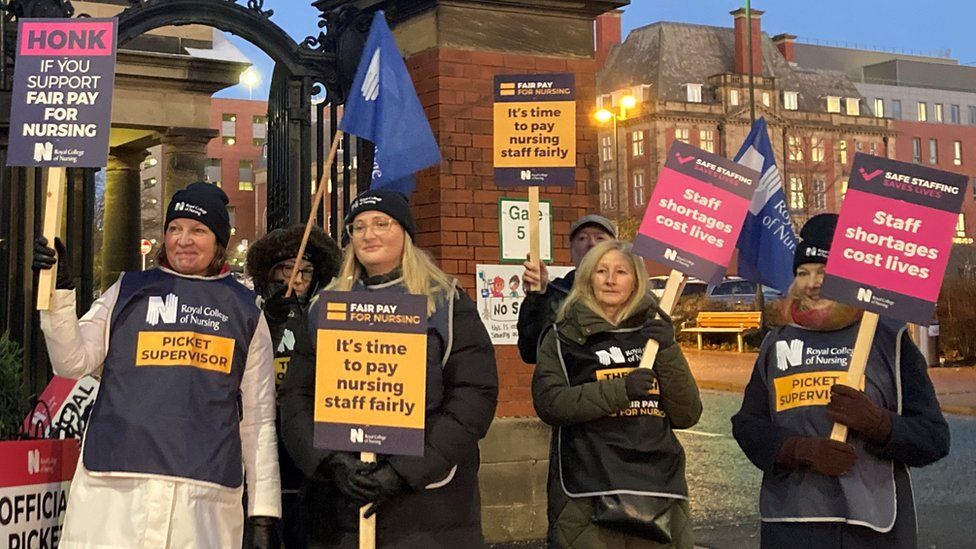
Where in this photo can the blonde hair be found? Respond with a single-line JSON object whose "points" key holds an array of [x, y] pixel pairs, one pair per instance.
{"points": [[583, 289], [420, 275]]}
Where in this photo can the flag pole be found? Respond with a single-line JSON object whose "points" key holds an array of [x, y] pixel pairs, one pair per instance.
{"points": [[323, 183], [760, 299]]}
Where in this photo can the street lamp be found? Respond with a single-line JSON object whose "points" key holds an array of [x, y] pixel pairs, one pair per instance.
{"points": [[606, 115], [250, 79]]}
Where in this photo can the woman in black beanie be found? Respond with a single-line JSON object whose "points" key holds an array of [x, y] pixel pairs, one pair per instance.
{"points": [[186, 394], [423, 502], [817, 492]]}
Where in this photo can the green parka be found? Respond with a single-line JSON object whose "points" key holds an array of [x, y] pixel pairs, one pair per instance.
{"points": [[560, 404]]}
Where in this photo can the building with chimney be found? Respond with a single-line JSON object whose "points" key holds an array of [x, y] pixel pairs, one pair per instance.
{"points": [[691, 83]]}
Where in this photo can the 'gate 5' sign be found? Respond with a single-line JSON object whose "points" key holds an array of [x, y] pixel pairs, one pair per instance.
{"points": [[513, 229], [61, 106]]}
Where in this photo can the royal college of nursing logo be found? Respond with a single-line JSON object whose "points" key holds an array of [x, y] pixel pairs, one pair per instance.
{"points": [[160, 310], [789, 353]]}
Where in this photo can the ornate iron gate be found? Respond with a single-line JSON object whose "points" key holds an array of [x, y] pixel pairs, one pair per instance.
{"points": [[325, 61]]}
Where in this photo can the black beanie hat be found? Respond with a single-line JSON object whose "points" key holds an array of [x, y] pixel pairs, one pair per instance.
{"points": [[205, 203], [815, 238], [389, 202]]}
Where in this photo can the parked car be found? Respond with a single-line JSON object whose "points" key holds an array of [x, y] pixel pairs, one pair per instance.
{"points": [[693, 286], [738, 291]]}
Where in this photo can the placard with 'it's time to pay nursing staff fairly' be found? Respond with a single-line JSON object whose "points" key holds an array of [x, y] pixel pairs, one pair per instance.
{"points": [[696, 212], [892, 241], [370, 372]]}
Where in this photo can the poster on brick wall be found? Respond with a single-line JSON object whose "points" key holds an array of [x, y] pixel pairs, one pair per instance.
{"points": [[893, 238], [500, 296], [696, 212], [535, 129]]}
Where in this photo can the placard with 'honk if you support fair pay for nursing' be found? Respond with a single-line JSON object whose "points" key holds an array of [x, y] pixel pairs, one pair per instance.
{"points": [[370, 372]]}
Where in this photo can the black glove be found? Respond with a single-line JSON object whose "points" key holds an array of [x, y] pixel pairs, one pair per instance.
{"points": [[853, 408], [276, 306], [389, 483], [44, 259], [823, 455], [350, 476], [638, 382], [661, 330], [264, 533]]}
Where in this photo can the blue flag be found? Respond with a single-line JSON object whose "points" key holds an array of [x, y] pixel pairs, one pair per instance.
{"points": [[767, 241], [383, 107]]}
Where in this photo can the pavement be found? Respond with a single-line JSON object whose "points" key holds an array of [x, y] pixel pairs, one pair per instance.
{"points": [[730, 371]]}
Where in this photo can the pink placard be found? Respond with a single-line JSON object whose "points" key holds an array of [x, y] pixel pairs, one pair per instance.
{"points": [[892, 244], [693, 216], [68, 38]]}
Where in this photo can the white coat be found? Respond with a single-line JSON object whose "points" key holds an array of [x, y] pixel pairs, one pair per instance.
{"points": [[130, 510]]}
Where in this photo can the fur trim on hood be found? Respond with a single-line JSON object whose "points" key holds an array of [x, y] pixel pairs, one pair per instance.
{"points": [[282, 244]]}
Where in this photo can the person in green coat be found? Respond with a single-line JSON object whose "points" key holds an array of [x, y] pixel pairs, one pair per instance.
{"points": [[616, 469]]}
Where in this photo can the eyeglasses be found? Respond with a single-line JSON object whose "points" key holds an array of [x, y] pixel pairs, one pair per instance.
{"points": [[379, 226], [284, 270]]}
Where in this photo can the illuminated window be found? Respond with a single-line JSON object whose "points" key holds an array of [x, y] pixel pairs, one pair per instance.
{"points": [[817, 149], [706, 140], [879, 107], [790, 100], [795, 148], [938, 112], [682, 134], [694, 93], [833, 104], [606, 148], [245, 175], [766, 99], [957, 153], [639, 189], [853, 106], [637, 142], [819, 193], [607, 193], [843, 152], [923, 111], [796, 193], [734, 98]]}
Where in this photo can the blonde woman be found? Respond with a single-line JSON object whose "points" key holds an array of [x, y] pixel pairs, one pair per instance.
{"points": [[616, 474], [429, 501]]}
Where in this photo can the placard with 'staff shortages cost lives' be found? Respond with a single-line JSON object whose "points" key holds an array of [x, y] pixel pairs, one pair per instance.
{"points": [[892, 241], [371, 372]]}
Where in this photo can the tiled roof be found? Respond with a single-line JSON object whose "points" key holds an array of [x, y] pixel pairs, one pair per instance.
{"points": [[667, 55]]}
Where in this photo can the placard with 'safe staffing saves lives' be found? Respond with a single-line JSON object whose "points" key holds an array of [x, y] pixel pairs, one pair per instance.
{"points": [[371, 372]]}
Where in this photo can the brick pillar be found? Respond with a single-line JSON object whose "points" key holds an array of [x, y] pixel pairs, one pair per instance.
{"points": [[453, 51]]}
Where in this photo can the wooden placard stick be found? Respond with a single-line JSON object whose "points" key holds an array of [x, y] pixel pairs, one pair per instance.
{"points": [[534, 233], [858, 364], [323, 183], [51, 228], [672, 289], [367, 526]]}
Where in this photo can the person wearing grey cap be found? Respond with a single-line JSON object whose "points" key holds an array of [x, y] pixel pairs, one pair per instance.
{"points": [[539, 307]]}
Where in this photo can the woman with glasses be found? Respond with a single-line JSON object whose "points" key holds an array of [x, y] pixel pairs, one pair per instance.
{"points": [[270, 262], [424, 502]]}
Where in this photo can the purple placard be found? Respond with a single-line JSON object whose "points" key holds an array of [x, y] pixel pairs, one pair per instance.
{"points": [[61, 106]]}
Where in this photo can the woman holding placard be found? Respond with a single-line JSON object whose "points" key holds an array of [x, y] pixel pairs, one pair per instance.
{"points": [[186, 407], [424, 502], [617, 470], [818, 492]]}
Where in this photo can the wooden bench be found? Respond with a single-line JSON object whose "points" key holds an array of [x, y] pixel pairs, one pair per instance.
{"points": [[736, 322]]}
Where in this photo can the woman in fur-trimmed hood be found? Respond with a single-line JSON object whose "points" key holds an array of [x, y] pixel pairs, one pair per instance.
{"points": [[270, 262]]}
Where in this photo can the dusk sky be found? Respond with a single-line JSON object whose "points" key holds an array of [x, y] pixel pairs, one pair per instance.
{"points": [[929, 28]]}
